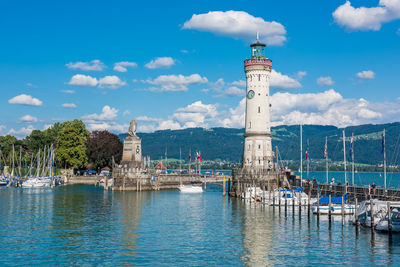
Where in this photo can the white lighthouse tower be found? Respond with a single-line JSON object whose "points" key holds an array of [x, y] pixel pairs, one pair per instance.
{"points": [[257, 145]]}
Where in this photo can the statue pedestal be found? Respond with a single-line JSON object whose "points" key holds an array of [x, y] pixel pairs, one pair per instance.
{"points": [[132, 152]]}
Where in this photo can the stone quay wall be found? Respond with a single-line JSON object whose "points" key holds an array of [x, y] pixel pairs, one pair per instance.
{"points": [[266, 179], [136, 179]]}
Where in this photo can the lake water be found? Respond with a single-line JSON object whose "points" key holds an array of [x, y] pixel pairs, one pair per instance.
{"points": [[84, 225]]}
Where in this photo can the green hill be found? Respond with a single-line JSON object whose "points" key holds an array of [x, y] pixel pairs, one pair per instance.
{"points": [[227, 143]]}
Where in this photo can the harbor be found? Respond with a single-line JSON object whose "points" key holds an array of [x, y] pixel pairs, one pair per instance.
{"points": [[149, 227]]}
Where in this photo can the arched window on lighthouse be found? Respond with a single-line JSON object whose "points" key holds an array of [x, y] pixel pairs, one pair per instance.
{"points": [[259, 109], [259, 77]]}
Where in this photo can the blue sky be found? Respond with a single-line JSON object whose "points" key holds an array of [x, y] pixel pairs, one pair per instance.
{"points": [[334, 62]]}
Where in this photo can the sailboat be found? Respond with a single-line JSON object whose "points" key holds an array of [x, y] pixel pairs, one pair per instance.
{"points": [[336, 202], [42, 180]]}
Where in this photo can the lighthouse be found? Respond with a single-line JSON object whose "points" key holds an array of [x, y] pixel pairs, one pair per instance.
{"points": [[257, 153]]}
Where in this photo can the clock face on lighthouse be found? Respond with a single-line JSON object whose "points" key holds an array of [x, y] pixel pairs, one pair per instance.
{"points": [[250, 94]]}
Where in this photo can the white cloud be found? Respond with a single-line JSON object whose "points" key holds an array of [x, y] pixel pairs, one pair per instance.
{"points": [[126, 112], [112, 82], [160, 62], [21, 133], [367, 18], [83, 80], [366, 75], [106, 120], [96, 65], [2, 128], [280, 80], [234, 91], [325, 81], [147, 119], [240, 83], [121, 66], [28, 119], [176, 82], [238, 24], [25, 100], [109, 126], [68, 91], [107, 114], [301, 74], [69, 105], [195, 114], [235, 117]]}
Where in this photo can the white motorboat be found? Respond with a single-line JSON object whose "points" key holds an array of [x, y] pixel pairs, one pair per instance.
{"points": [[37, 182], [190, 189], [336, 209]]}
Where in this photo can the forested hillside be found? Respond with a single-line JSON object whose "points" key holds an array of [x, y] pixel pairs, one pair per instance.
{"points": [[227, 143]]}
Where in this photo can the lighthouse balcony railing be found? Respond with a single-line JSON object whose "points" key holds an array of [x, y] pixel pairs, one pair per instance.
{"points": [[258, 61]]}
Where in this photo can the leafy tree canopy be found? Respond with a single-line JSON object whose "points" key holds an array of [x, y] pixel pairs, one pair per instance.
{"points": [[101, 147]]}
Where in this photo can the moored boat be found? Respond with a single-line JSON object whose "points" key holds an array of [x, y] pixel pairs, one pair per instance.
{"points": [[190, 189]]}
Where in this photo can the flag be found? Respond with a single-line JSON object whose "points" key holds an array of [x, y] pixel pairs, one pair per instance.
{"points": [[326, 147], [383, 140], [198, 156], [351, 146], [306, 157]]}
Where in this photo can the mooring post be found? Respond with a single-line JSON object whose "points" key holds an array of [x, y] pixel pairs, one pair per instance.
{"points": [[223, 186], [356, 213], [273, 198], [309, 201], [293, 204], [389, 214], [299, 203], [205, 183], [342, 210], [372, 213], [137, 184], [329, 207], [279, 200], [264, 189], [317, 204], [285, 200]]}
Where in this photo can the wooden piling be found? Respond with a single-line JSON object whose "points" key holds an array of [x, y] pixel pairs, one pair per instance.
{"points": [[389, 214], [356, 213], [317, 204], [279, 198], [372, 213], [285, 200], [309, 202], [299, 204], [223, 186], [205, 183], [329, 207]]}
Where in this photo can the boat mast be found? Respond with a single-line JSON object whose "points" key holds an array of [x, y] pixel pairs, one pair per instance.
{"points": [[301, 155], [12, 164], [344, 157], [326, 156], [352, 158], [190, 158], [20, 162], [384, 157], [277, 168], [180, 160], [308, 160]]}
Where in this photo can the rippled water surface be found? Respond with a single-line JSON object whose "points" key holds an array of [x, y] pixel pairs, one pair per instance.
{"points": [[84, 225]]}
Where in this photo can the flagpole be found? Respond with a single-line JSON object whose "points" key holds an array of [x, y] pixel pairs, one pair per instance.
{"points": [[352, 158], [344, 157], [384, 158], [308, 161], [190, 158], [301, 155], [180, 160], [326, 156]]}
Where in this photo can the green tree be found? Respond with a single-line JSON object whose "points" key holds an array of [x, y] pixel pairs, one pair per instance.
{"points": [[71, 148], [101, 147]]}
